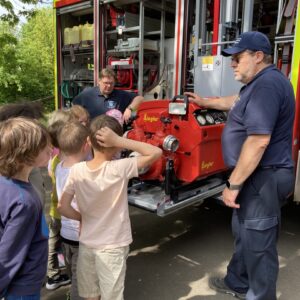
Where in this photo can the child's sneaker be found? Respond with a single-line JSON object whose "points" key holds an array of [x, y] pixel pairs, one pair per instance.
{"points": [[218, 284], [56, 282]]}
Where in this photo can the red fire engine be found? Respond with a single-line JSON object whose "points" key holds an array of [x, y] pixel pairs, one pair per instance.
{"points": [[160, 49]]}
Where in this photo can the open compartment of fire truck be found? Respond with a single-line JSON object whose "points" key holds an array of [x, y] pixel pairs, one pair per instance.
{"points": [[135, 37], [76, 49]]}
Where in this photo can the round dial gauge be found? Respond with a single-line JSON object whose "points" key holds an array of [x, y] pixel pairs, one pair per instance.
{"points": [[209, 119], [201, 120]]}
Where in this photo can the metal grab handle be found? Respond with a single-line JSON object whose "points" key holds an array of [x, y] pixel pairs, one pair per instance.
{"points": [[184, 97]]}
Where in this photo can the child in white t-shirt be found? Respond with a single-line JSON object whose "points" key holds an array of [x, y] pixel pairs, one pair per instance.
{"points": [[72, 141], [100, 187]]}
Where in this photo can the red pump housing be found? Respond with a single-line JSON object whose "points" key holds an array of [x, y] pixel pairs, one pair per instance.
{"points": [[191, 140]]}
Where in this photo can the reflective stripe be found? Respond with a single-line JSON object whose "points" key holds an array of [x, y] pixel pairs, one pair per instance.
{"points": [[296, 53]]}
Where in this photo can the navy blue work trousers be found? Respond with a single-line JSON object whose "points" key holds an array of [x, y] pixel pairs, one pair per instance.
{"points": [[254, 266]]}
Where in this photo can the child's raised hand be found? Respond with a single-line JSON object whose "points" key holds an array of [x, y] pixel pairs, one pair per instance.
{"points": [[106, 137]]}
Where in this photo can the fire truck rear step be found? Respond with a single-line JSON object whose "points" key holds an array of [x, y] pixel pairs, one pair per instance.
{"points": [[154, 199]]}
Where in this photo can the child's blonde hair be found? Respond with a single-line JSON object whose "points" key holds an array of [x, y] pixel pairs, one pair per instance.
{"points": [[63, 115], [21, 141], [100, 122], [79, 113], [56, 121], [72, 137]]}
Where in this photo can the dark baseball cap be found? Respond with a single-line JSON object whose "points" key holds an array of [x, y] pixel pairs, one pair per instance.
{"points": [[251, 40]]}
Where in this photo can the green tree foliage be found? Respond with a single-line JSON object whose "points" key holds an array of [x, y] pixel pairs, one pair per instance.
{"points": [[12, 14], [9, 81], [27, 59], [36, 55]]}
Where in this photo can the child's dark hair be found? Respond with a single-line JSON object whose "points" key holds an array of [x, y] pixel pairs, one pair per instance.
{"points": [[72, 137], [30, 110], [100, 122], [21, 141]]}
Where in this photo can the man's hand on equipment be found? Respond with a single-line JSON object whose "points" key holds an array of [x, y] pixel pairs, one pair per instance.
{"points": [[127, 115], [194, 98], [229, 198], [133, 106]]}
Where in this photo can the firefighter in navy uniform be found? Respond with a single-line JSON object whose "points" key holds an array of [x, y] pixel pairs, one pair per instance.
{"points": [[100, 99], [257, 146]]}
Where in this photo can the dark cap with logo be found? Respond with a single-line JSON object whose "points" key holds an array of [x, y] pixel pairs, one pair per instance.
{"points": [[252, 40]]}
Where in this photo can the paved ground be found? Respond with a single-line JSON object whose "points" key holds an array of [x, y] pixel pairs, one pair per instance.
{"points": [[171, 258]]}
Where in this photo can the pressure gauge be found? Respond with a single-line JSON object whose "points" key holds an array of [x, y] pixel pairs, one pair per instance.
{"points": [[210, 120], [201, 120]]}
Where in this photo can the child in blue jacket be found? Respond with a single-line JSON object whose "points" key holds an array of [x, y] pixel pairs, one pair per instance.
{"points": [[24, 144]]}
